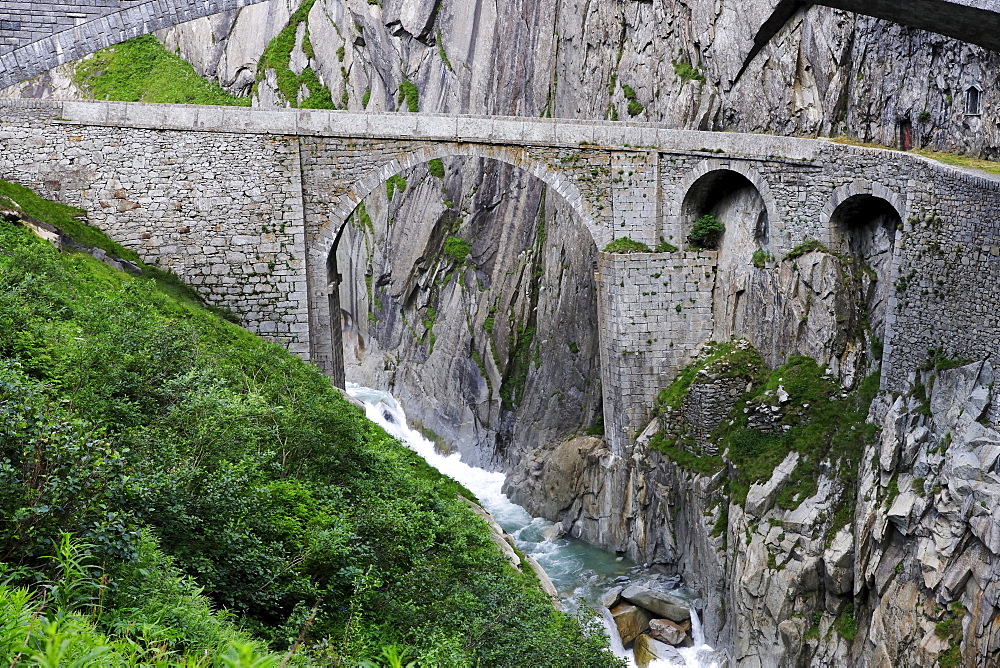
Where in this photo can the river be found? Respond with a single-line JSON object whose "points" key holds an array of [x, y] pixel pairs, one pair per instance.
{"points": [[578, 570]]}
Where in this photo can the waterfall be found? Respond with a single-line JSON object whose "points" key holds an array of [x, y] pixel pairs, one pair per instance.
{"points": [[577, 569]]}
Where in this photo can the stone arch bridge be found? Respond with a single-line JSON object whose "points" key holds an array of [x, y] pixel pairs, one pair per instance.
{"points": [[247, 205]]}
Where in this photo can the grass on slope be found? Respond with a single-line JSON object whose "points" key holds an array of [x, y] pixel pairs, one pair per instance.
{"points": [[200, 468], [142, 70]]}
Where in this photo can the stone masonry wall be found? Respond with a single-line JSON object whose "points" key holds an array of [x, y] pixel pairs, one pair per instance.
{"points": [[654, 309], [222, 211]]}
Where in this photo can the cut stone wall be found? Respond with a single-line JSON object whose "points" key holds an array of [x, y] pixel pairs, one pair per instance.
{"points": [[654, 310]]}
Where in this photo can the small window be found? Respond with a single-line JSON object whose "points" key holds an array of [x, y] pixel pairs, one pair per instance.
{"points": [[973, 100]]}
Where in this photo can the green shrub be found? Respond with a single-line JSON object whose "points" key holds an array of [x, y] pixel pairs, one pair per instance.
{"points": [[626, 245], [395, 183], [760, 258], [277, 57], [707, 232], [457, 249], [687, 72], [436, 168], [408, 93], [666, 247]]}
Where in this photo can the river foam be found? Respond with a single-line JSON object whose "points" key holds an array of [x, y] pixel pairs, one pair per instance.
{"points": [[578, 570]]}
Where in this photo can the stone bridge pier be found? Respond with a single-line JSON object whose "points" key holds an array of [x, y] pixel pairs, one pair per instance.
{"points": [[247, 206]]}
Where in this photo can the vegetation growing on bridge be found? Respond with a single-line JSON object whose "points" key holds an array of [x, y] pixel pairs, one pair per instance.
{"points": [[198, 467], [142, 70], [627, 245], [707, 232]]}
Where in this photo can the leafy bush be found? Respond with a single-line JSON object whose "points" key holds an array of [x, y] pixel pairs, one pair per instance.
{"points": [[457, 248], [707, 232], [760, 258], [408, 93], [687, 72], [626, 245], [436, 168], [666, 247]]}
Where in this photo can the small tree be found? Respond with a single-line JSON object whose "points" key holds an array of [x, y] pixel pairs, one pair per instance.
{"points": [[707, 232]]}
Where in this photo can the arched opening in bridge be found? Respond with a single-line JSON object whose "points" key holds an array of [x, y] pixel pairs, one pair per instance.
{"points": [[865, 227], [731, 199], [468, 291]]}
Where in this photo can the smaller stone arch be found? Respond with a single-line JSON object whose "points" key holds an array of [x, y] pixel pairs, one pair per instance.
{"points": [[713, 180], [862, 219], [685, 203], [856, 190]]}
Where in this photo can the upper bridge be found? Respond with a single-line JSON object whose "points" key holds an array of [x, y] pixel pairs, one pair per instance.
{"points": [[38, 35], [247, 206], [973, 21]]}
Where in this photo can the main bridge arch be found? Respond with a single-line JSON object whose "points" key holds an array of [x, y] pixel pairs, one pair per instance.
{"points": [[327, 349], [53, 37], [341, 208]]}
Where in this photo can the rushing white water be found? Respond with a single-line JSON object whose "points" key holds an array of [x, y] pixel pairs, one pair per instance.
{"points": [[578, 570]]}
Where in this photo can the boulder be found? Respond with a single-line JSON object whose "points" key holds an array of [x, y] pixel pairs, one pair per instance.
{"points": [[631, 620], [648, 650], [663, 604], [669, 632], [611, 597]]}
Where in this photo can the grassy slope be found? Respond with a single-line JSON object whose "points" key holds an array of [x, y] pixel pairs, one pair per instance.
{"points": [[175, 439], [142, 70]]}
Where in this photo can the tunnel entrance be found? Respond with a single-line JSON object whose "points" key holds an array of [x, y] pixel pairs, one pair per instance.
{"points": [[865, 226]]}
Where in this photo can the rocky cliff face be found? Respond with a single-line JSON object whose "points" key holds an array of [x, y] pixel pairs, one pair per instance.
{"points": [[491, 338]]}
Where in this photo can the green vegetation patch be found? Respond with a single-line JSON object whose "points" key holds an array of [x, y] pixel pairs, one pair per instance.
{"points": [[822, 424], [687, 72], [277, 57], [634, 106], [396, 182], [707, 232], [142, 70], [626, 245], [409, 94], [436, 168], [457, 249], [199, 468], [760, 258], [808, 246]]}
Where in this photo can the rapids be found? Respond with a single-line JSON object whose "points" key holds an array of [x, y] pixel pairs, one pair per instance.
{"points": [[579, 571]]}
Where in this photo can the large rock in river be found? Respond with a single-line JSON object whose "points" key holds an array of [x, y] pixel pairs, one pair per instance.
{"points": [[631, 620], [663, 604], [648, 650]]}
